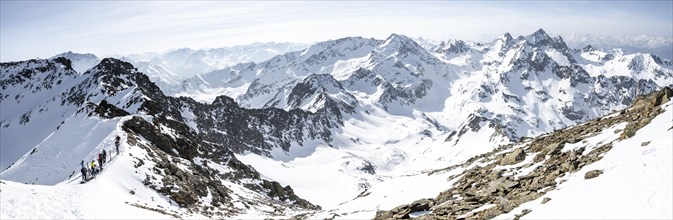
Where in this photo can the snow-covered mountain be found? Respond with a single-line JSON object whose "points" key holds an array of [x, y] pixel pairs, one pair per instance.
{"points": [[188, 62], [661, 46], [80, 62], [527, 85], [72, 116], [166, 80], [341, 129], [170, 68]]}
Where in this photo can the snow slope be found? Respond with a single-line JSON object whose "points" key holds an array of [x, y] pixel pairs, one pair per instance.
{"points": [[31, 104], [168, 81], [106, 196], [369, 169], [636, 183], [88, 201], [57, 156]]}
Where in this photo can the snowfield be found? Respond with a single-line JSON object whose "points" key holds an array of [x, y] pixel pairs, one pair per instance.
{"points": [[637, 182], [107, 196]]}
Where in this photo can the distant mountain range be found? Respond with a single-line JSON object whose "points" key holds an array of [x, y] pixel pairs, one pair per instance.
{"points": [[660, 46], [279, 130]]}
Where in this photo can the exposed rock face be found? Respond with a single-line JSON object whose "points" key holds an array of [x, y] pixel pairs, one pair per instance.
{"points": [[107, 110], [483, 185], [185, 181]]}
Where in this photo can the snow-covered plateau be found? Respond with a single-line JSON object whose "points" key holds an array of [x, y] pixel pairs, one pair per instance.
{"points": [[352, 128]]}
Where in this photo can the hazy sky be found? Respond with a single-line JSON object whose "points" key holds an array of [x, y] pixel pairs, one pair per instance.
{"points": [[30, 29]]}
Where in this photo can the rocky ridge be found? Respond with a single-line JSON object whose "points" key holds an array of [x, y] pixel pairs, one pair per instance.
{"points": [[487, 179], [178, 162]]}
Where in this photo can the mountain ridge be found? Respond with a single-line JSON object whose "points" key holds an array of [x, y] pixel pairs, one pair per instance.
{"points": [[115, 99], [535, 54], [363, 116]]}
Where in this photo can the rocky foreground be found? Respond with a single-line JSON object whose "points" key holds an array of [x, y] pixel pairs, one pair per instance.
{"points": [[502, 179]]}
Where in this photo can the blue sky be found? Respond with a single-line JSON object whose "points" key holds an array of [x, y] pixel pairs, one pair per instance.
{"points": [[30, 29]]}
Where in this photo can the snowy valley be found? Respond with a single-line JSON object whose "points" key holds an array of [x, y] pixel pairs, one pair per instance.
{"points": [[352, 128]]}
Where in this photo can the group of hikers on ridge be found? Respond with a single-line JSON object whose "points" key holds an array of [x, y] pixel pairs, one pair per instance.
{"points": [[90, 170]]}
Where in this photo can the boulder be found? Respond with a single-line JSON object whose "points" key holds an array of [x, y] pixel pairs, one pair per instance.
{"points": [[523, 212], [422, 205], [514, 157], [554, 148], [545, 200], [383, 215], [592, 174], [417, 206], [503, 204]]}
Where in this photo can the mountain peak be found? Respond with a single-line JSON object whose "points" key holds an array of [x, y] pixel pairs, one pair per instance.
{"points": [[401, 43], [539, 38], [399, 38], [81, 62], [454, 47], [71, 55], [588, 48], [115, 61], [507, 36], [397, 44], [540, 32], [114, 66]]}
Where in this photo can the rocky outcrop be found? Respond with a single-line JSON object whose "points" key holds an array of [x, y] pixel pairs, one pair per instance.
{"points": [[487, 184], [648, 104], [417, 206], [512, 158], [185, 181], [107, 110]]}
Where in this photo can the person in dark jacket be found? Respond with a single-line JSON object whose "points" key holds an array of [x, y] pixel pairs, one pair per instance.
{"points": [[83, 170], [100, 160], [117, 144], [104, 156]]}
